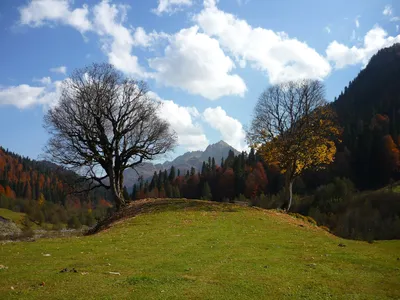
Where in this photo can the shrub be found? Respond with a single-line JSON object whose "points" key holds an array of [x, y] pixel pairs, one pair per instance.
{"points": [[90, 220], [26, 222], [311, 220], [57, 226], [27, 233], [325, 228], [241, 198], [331, 197], [74, 223]]}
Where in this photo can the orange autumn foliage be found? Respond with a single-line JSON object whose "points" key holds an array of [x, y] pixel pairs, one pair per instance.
{"points": [[9, 193]]}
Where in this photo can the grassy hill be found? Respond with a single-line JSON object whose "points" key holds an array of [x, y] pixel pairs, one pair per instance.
{"points": [[16, 217], [201, 250]]}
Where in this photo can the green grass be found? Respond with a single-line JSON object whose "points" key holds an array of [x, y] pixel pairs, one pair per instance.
{"points": [[201, 250], [16, 217]]}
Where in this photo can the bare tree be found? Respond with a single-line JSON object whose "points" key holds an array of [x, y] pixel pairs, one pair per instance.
{"points": [[295, 128], [104, 124]]}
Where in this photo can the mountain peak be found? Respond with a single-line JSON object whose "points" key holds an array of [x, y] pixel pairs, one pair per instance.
{"points": [[222, 143]]}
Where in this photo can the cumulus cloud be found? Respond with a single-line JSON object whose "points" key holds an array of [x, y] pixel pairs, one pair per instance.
{"points": [[171, 6], [117, 39], [195, 62], [23, 96], [44, 80], [231, 130], [183, 120], [374, 40], [282, 58], [40, 12], [387, 11], [148, 40], [60, 70]]}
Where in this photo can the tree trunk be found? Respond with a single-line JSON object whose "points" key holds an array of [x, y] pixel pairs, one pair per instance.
{"points": [[116, 190], [289, 189], [290, 194], [119, 201]]}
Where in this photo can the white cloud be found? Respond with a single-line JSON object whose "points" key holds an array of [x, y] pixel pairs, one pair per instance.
{"points": [[23, 96], [394, 19], [195, 62], [44, 80], [143, 39], [117, 39], [387, 11], [231, 130], [171, 6], [374, 40], [328, 29], [182, 120], [61, 70], [357, 21], [283, 58], [40, 12]]}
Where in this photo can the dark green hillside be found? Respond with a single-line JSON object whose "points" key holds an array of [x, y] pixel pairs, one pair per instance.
{"points": [[369, 111]]}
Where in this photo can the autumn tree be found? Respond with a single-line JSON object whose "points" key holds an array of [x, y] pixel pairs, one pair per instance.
{"points": [[390, 158], [294, 127], [104, 124]]}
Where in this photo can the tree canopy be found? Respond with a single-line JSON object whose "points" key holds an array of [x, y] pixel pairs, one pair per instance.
{"points": [[294, 128], [103, 124]]}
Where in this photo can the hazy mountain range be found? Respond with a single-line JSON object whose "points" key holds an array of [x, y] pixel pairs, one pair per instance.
{"points": [[183, 162]]}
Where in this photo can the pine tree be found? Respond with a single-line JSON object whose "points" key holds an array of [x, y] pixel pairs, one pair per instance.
{"points": [[154, 181], [159, 180], [192, 171], [165, 176], [133, 195], [203, 168], [252, 158], [172, 175], [206, 192], [213, 166]]}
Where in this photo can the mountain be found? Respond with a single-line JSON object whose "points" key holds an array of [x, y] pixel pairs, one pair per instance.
{"points": [[183, 162]]}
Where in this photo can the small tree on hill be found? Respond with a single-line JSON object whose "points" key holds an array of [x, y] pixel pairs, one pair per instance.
{"points": [[295, 128]]}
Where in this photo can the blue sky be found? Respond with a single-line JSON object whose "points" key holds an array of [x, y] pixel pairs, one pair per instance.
{"points": [[207, 61]]}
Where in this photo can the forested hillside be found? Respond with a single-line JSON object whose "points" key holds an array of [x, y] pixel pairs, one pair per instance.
{"points": [[369, 111], [238, 176], [45, 192], [25, 178]]}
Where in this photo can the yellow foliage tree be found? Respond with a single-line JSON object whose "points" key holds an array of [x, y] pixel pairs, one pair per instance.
{"points": [[294, 128], [41, 199]]}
